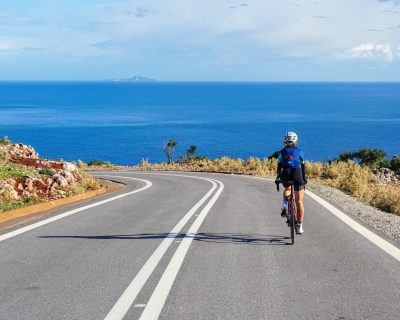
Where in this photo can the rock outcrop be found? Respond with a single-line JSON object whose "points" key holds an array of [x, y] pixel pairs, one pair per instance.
{"points": [[7, 191], [20, 150], [385, 175], [45, 179]]}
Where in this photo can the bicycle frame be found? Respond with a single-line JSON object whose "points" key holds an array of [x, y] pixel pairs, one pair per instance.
{"points": [[291, 211]]}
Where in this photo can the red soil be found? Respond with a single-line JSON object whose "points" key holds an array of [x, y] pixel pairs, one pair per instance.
{"points": [[38, 163]]}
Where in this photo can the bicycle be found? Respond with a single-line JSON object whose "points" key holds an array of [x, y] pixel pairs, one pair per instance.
{"points": [[291, 211]]}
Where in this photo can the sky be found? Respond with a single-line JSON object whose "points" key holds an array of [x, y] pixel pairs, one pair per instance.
{"points": [[201, 40]]}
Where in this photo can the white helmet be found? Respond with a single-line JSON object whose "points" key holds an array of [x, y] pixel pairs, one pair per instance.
{"points": [[290, 137]]}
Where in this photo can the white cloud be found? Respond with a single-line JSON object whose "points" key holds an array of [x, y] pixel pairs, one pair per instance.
{"points": [[370, 50], [385, 50], [395, 1], [18, 44], [206, 33], [4, 46]]}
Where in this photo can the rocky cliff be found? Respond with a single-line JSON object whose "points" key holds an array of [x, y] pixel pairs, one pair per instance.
{"points": [[26, 178]]}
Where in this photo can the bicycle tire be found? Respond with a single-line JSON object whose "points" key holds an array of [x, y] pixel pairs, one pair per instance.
{"points": [[292, 217], [292, 227]]}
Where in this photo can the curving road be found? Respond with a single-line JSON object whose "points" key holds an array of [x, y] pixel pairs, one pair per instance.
{"points": [[195, 246]]}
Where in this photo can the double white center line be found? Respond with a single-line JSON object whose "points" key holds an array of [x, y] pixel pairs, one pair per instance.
{"points": [[159, 296]]}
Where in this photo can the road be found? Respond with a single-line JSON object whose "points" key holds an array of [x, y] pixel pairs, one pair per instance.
{"points": [[193, 246]]}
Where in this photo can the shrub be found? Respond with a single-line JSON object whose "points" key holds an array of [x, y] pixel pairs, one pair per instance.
{"points": [[370, 157], [4, 156], [348, 176], [385, 197], [365, 156], [395, 164], [11, 170], [82, 165], [19, 204], [4, 141], [47, 171], [88, 182], [99, 163]]}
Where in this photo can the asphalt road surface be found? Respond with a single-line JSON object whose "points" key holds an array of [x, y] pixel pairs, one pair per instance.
{"points": [[193, 246]]}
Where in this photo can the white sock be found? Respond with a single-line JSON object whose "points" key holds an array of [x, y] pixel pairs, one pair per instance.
{"points": [[284, 202]]}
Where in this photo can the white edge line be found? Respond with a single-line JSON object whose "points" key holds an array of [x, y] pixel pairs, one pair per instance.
{"points": [[365, 232], [17, 232], [371, 236], [157, 300], [127, 298]]}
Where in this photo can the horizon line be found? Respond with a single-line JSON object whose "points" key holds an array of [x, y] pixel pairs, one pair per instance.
{"points": [[207, 81]]}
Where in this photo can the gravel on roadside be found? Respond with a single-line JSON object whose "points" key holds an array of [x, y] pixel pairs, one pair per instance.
{"points": [[385, 222]]}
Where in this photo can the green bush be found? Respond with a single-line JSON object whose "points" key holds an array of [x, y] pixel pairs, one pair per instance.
{"points": [[12, 170], [99, 163], [47, 171], [19, 204], [365, 157], [395, 164]]}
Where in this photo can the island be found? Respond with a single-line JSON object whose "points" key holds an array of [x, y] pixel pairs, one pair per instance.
{"points": [[133, 79]]}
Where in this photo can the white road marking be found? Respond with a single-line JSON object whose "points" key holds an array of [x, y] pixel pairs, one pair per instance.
{"points": [[365, 232], [374, 238], [126, 300], [140, 305], [14, 233], [160, 294]]}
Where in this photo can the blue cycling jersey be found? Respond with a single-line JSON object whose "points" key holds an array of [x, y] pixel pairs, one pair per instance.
{"points": [[291, 158]]}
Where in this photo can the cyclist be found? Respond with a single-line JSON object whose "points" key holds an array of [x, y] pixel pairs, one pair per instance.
{"points": [[291, 167]]}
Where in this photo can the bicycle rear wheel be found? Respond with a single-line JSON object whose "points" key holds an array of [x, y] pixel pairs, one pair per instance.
{"points": [[291, 219], [292, 214]]}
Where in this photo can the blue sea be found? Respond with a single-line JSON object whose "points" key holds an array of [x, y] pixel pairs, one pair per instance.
{"points": [[125, 122]]}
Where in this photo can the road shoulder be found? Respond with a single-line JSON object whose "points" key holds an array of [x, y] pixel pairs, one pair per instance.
{"points": [[18, 217]]}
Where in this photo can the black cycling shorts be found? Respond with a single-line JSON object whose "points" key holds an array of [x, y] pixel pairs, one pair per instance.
{"points": [[292, 174]]}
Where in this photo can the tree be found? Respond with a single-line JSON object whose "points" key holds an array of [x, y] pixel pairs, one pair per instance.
{"points": [[346, 156], [169, 149], [395, 164], [365, 157], [370, 157], [191, 151]]}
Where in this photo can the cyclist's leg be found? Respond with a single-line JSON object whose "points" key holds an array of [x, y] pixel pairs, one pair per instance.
{"points": [[299, 192], [286, 192]]}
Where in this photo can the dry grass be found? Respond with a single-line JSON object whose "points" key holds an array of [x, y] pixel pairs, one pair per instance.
{"points": [[347, 176], [85, 183]]}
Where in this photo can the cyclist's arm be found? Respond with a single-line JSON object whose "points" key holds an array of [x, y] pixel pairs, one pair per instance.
{"points": [[303, 171], [279, 164], [303, 166]]}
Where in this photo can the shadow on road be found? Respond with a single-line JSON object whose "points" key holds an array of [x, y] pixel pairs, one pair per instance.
{"points": [[234, 238]]}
